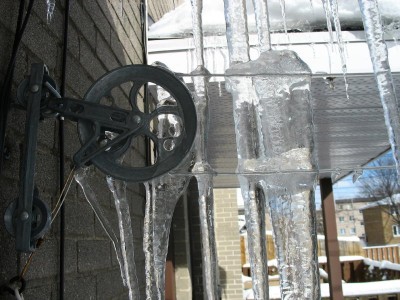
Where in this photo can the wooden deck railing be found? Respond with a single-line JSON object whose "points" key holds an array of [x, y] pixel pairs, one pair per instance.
{"points": [[389, 252]]}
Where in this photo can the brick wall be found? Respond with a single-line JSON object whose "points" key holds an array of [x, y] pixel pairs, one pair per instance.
{"points": [[103, 35], [228, 243], [180, 228]]}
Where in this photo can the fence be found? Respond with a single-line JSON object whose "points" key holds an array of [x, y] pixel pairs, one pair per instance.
{"points": [[389, 252], [347, 247]]}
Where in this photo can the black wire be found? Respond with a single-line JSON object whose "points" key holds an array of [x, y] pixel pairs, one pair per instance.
{"points": [[5, 99], [61, 147]]}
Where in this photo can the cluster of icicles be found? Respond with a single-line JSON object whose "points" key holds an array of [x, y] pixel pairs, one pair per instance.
{"points": [[274, 132]]}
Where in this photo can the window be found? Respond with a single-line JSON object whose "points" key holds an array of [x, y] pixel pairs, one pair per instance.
{"points": [[341, 206], [362, 223], [351, 218], [396, 230], [341, 219], [342, 231], [353, 230]]}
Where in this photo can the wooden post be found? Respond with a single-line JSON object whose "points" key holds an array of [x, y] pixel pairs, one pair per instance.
{"points": [[331, 240]]}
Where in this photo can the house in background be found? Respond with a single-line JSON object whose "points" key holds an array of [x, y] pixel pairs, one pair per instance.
{"points": [[380, 223], [349, 218]]}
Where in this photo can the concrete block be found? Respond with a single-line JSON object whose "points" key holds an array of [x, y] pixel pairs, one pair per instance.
{"points": [[100, 20], [83, 22], [88, 59], [40, 42], [80, 287], [93, 255], [45, 262], [109, 284], [77, 79], [39, 292], [47, 134], [79, 219], [9, 14], [105, 54], [46, 174], [71, 139], [74, 41], [12, 163]]}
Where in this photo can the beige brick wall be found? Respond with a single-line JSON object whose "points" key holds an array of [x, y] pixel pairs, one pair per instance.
{"points": [[228, 243]]}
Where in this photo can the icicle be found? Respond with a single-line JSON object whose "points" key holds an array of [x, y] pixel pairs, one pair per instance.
{"points": [[328, 14], [118, 189], [380, 62], [332, 12], [283, 12], [51, 4], [262, 21], [209, 255], [339, 39], [282, 124], [357, 174], [335, 174], [254, 206], [244, 99], [197, 7], [81, 177], [292, 216], [162, 195], [236, 31], [201, 167]]}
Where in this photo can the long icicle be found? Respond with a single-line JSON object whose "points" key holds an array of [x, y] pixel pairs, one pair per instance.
{"points": [[82, 178], [162, 195], [373, 28], [118, 189], [202, 169]]}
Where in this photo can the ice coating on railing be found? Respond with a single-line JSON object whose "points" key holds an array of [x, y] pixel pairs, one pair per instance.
{"points": [[244, 99], [118, 190], [82, 178], [272, 115], [379, 57], [262, 23], [197, 7], [236, 30], [285, 126]]}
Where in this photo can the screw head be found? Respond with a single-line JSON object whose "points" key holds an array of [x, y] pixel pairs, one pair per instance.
{"points": [[34, 88], [137, 119], [24, 216]]}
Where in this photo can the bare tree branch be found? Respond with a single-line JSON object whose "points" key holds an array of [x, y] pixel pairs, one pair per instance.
{"points": [[382, 184]]}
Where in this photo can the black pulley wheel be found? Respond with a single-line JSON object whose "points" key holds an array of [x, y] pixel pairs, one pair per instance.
{"points": [[41, 218], [169, 149]]}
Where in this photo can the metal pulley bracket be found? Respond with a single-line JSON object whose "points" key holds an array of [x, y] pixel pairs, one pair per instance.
{"points": [[106, 133], [23, 217]]}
